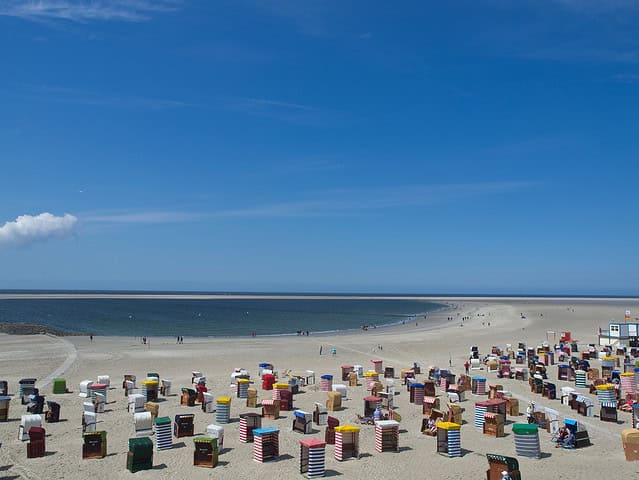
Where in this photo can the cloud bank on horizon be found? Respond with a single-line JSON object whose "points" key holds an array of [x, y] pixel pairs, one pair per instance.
{"points": [[27, 229]]}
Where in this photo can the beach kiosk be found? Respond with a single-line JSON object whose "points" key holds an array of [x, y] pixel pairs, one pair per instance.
{"points": [[346, 442], [266, 444], [94, 444], [527, 440], [205, 453], [248, 423], [387, 436], [500, 463], [449, 439], [312, 457]]}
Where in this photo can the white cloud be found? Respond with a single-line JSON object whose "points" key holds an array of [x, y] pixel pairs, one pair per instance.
{"points": [[27, 229], [86, 10]]}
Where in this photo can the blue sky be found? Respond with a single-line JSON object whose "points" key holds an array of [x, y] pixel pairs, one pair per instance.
{"points": [[320, 146]]}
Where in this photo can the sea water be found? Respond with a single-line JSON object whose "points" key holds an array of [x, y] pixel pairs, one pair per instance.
{"points": [[212, 317]]}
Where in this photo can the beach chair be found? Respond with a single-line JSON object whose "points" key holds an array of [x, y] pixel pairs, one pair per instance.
{"points": [[89, 420], [36, 446], [188, 397], [206, 452], [36, 406], [4, 408], [334, 401], [140, 454], [4, 388], [94, 445], [26, 422], [53, 412], [302, 422], [183, 426], [143, 424], [217, 432], [500, 463], [320, 414]]}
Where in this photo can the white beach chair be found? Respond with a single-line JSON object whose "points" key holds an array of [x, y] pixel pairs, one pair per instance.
{"points": [[26, 422], [321, 414], [166, 387], [208, 402], [84, 388], [475, 364], [143, 424], [136, 402], [99, 402], [89, 420], [89, 407], [105, 380], [338, 387], [216, 431]]}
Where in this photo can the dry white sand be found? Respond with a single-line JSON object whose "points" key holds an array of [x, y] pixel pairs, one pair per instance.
{"points": [[44, 357]]}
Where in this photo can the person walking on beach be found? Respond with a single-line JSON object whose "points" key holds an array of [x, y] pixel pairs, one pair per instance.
{"points": [[320, 349], [466, 366], [91, 337]]}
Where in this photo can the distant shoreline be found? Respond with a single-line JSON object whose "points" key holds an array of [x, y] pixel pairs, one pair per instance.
{"points": [[233, 296]]}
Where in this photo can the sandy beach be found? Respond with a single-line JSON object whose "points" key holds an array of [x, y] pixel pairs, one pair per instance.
{"points": [[493, 321]]}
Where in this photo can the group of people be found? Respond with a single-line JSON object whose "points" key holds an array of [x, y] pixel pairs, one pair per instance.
{"points": [[180, 339], [565, 437]]}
